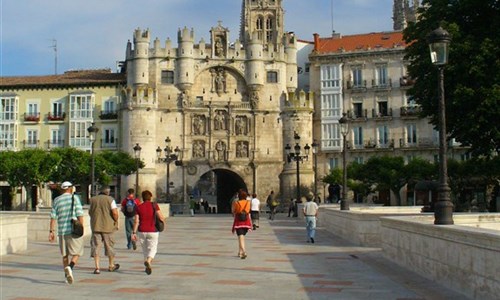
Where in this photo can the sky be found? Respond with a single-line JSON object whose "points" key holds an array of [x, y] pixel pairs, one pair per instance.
{"points": [[92, 34]]}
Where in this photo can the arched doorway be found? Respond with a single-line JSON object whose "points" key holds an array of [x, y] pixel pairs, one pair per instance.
{"points": [[218, 187]]}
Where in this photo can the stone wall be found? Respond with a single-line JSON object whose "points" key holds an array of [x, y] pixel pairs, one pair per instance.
{"points": [[14, 233], [465, 258]]}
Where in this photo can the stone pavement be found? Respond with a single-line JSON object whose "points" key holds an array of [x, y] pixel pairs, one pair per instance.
{"points": [[197, 259]]}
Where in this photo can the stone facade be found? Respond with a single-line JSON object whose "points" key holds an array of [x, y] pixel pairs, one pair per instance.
{"points": [[230, 107]]}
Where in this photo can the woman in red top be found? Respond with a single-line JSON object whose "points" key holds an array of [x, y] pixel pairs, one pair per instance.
{"points": [[145, 223], [241, 227]]}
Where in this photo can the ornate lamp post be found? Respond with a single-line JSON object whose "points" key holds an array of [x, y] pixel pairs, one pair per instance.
{"points": [[315, 147], [170, 156], [439, 41], [344, 129], [297, 156], [137, 154], [92, 130]]}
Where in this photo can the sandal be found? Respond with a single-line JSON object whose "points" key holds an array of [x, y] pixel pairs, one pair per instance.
{"points": [[114, 268], [97, 271], [243, 256]]}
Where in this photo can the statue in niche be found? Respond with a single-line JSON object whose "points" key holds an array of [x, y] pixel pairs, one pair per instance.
{"points": [[219, 47], [241, 126], [198, 149], [218, 81], [220, 121], [242, 150], [254, 99], [220, 149], [199, 125]]}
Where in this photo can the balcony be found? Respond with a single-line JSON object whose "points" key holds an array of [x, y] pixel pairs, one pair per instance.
{"points": [[357, 115], [56, 117], [382, 86], [30, 144], [55, 144], [109, 143], [412, 111], [406, 81], [382, 114], [108, 115], [356, 87], [32, 117]]}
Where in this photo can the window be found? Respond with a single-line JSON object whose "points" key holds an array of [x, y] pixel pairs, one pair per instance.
{"points": [[272, 77], [109, 137], [78, 134], [81, 106], [381, 75], [57, 109], [383, 135], [359, 160], [357, 78], [31, 138], [358, 110], [382, 109], [109, 107], [330, 136], [358, 137], [8, 136], [330, 105], [411, 134], [32, 109], [269, 30], [167, 77], [330, 76], [56, 138], [8, 108], [334, 163]]}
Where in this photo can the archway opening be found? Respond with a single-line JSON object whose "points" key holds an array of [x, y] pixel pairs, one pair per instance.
{"points": [[218, 187]]}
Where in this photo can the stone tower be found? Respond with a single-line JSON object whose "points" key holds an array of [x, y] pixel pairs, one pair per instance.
{"points": [[227, 106], [403, 13]]}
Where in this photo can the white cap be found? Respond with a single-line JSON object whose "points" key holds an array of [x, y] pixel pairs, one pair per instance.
{"points": [[66, 185]]}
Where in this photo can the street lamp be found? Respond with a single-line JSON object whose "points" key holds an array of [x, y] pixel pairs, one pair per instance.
{"points": [[344, 129], [92, 130], [170, 156], [315, 147], [137, 154], [297, 156], [439, 41]]}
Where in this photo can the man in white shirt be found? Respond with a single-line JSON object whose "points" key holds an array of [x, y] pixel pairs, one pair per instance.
{"points": [[255, 211], [311, 213]]}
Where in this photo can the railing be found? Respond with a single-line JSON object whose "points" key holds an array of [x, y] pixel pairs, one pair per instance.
{"points": [[108, 115], [382, 114], [32, 117], [110, 144], [406, 81], [382, 85], [30, 143], [410, 111], [55, 144], [357, 115], [56, 117], [356, 86]]}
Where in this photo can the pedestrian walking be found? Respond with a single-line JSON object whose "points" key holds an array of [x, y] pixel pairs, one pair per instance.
{"points": [[310, 211], [103, 213], [66, 207], [242, 221], [255, 211], [129, 209], [272, 204], [145, 230]]}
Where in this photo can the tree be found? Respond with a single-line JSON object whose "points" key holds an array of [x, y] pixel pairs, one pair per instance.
{"points": [[472, 79]]}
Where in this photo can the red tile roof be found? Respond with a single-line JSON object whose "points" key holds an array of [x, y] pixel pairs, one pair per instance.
{"points": [[69, 78], [359, 42]]}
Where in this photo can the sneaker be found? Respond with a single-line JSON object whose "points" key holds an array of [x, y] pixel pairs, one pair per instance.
{"points": [[148, 268], [69, 274], [134, 245], [312, 240], [114, 268]]}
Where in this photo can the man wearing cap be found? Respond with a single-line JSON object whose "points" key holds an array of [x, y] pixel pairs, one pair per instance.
{"points": [[68, 245], [103, 213]]}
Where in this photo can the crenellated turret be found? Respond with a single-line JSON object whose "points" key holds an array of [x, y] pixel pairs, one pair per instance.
{"points": [[291, 61], [185, 59], [139, 72], [255, 61]]}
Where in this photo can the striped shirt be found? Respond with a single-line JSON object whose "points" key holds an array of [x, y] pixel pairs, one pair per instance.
{"points": [[61, 211]]}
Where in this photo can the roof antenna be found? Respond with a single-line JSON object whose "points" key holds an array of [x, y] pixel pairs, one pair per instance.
{"points": [[54, 46], [333, 30]]}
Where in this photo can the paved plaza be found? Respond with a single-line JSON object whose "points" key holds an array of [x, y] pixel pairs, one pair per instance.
{"points": [[197, 259]]}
